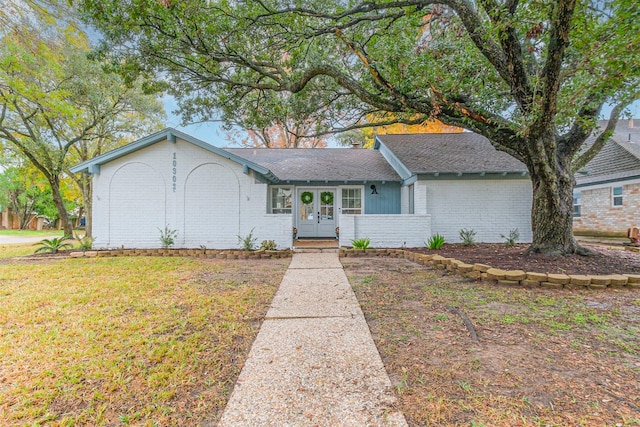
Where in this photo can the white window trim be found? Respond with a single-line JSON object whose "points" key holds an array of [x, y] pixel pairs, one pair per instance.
{"points": [[362, 197], [579, 197], [270, 199], [613, 197], [411, 199]]}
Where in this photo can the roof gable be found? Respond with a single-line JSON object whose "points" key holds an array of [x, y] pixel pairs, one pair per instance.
{"points": [[619, 158], [168, 134], [449, 153], [321, 164]]}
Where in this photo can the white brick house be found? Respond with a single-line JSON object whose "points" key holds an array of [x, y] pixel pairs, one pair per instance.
{"points": [[398, 194]]}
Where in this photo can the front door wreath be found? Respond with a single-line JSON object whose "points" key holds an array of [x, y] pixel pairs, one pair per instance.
{"points": [[326, 197], [306, 197]]}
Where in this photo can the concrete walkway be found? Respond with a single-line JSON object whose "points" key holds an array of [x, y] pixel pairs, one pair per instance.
{"points": [[313, 362]]}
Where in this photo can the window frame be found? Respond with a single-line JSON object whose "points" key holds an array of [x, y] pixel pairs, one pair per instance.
{"points": [[577, 203], [615, 197], [411, 194], [270, 199], [342, 199]]}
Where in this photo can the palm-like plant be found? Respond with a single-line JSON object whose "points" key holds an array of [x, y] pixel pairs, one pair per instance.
{"points": [[53, 245]]}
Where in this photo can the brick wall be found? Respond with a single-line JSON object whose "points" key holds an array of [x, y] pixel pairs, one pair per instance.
{"points": [[207, 199], [600, 216], [491, 207], [386, 231]]}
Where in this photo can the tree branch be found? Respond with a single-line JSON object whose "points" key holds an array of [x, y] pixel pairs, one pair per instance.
{"points": [[601, 139], [550, 73]]}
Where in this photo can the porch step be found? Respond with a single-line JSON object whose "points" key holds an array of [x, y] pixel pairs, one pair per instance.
{"points": [[315, 245], [315, 250]]}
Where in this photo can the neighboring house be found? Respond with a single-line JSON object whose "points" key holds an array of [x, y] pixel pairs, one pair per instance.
{"points": [[606, 197], [398, 194]]}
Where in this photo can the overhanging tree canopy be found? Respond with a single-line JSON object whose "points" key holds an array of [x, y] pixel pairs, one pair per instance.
{"points": [[530, 75]]}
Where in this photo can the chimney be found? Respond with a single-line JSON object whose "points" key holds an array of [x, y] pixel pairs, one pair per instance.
{"points": [[355, 144], [631, 123]]}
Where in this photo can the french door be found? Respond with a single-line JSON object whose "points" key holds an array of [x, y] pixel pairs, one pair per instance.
{"points": [[316, 212]]}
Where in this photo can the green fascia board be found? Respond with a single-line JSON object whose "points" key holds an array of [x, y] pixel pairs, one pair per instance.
{"points": [[330, 183], [395, 163], [169, 134], [437, 176]]}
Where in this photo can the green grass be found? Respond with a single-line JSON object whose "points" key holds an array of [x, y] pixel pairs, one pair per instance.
{"points": [[31, 233], [126, 340], [537, 348]]}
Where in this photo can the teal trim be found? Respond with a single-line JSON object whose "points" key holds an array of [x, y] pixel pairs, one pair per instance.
{"points": [[324, 183], [387, 201], [170, 134], [395, 163], [471, 176], [94, 169]]}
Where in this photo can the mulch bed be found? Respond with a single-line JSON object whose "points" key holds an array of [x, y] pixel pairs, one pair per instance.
{"points": [[606, 260]]}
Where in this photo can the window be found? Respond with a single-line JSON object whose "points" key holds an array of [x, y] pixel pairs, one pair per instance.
{"points": [[412, 208], [280, 200], [351, 200], [617, 196], [577, 204]]}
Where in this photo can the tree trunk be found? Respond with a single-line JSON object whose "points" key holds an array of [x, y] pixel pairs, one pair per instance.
{"points": [[87, 195], [552, 213], [63, 216]]}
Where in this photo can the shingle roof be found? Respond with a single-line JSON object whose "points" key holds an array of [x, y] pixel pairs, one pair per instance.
{"points": [[320, 164], [618, 159], [450, 153]]}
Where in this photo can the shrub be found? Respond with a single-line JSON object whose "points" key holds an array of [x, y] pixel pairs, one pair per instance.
{"points": [[361, 243], [268, 245], [468, 237], [512, 238], [86, 243], [53, 245], [248, 242], [435, 242], [167, 237]]}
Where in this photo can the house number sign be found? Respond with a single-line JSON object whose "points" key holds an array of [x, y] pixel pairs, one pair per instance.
{"points": [[174, 178]]}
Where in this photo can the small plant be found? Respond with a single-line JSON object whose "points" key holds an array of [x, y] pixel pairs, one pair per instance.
{"points": [[85, 243], [53, 245], [167, 237], [248, 242], [512, 238], [435, 242], [361, 243], [468, 237], [268, 245]]}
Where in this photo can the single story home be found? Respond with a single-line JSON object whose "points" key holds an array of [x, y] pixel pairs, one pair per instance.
{"points": [[606, 198], [406, 189]]}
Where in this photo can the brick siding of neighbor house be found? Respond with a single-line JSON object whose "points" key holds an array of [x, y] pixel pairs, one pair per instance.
{"points": [[208, 200], [599, 214]]}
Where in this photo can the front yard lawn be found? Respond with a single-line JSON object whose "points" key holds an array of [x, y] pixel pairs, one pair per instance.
{"points": [[117, 341], [544, 357]]}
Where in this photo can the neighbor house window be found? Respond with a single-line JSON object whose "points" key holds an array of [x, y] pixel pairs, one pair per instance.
{"points": [[577, 204], [412, 208], [280, 200], [617, 196], [352, 200]]}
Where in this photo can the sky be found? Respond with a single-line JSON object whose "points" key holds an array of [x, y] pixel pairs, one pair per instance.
{"points": [[212, 133]]}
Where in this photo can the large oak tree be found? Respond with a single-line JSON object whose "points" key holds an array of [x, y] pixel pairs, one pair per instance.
{"points": [[57, 106], [530, 75]]}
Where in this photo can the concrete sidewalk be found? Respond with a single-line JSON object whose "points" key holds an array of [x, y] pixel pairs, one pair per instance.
{"points": [[313, 362]]}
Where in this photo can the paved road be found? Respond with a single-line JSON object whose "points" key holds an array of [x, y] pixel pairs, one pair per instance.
{"points": [[21, 239]]}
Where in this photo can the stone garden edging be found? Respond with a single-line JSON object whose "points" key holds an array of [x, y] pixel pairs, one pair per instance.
{"points": [[195, 253], [504, 277]]}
